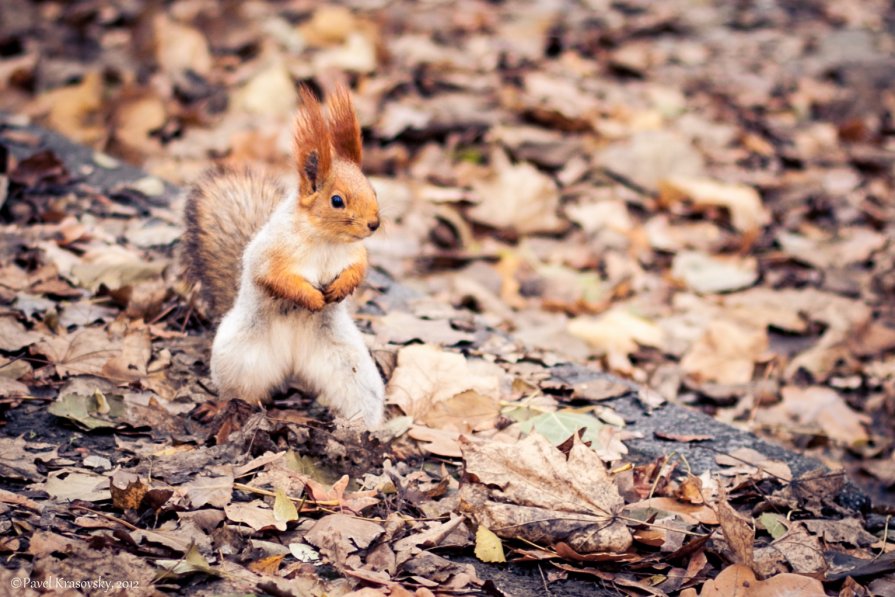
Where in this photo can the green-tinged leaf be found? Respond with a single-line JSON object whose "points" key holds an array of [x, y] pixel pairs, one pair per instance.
{"points": [[488, 547], [558, 426], [773, 524], [283, 508], [83, 410], [192, 562]]}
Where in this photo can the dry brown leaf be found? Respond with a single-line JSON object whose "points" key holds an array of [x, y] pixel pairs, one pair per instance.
{"points": [[739, 581], [339, 535], [822, 409], [749, 462], [256, 514], [535, 492], [84, 352], [517, 196], [399, 327], [426, 376], [726, 353], [710, 274], [617, 334], [75, 110], [441, 442], [798, 548], [14, 336], [179, 48], [17, 462], [213, 491], [738, 532], [747, 213], [688, 512]]}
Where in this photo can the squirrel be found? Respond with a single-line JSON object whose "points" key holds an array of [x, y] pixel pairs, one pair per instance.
{"points": [[274, 267]]}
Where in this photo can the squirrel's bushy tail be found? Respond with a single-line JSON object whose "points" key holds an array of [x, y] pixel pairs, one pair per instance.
{"points": [[223, 212]]}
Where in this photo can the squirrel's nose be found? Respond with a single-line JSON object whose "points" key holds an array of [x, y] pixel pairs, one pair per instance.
{"points": [[373, 225]]}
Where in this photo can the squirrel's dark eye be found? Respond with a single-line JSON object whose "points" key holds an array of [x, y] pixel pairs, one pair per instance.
{"points": [[337, 201]]}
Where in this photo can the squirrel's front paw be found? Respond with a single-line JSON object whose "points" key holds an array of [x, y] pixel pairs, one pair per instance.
{"points": [[315, 301], [336, 292]]}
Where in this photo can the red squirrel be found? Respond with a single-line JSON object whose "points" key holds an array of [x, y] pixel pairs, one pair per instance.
{"points": [[275, 266]]}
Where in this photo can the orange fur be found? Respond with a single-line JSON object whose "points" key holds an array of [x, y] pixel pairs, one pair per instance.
{"points": [[280, 282], [344, 126], [313, 144], [349, 279]]}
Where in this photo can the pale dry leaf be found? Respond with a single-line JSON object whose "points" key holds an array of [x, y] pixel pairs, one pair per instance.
{"points": [[726, 353], [400, 327], [180, 48], [517, 196], [749, 462], [255, 514], [739, 581], [747, 212], [270, 92], [799, 549], [648, 157], [212, 491], [84, 352], [535, 492], [76, 484], [738, 532], [711, 274], [820, 408], [114, 267], [616, 334], [17, 462], [851, 245], [427, 375], [75, 111], [339, 535], [14, 336]]}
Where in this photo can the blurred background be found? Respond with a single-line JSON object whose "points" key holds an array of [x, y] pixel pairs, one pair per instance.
{"points": [[694, 194]]}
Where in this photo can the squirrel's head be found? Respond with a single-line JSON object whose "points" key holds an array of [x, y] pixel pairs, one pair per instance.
{"points": [[333, 192]]}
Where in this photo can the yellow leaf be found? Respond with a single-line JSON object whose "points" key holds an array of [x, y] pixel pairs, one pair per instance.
{"points": [[283, 507], [488, 547]]}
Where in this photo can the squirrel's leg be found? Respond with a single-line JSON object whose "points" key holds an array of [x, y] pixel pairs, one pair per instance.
{"points": [[338, 366], [345, 282], [248, 359], [280, 282]]}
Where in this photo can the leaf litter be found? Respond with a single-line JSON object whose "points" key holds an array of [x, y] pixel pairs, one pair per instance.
{"points": [[606, 185]]}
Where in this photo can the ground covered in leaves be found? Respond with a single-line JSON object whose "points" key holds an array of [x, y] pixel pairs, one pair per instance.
{"points": [[696, 196]]}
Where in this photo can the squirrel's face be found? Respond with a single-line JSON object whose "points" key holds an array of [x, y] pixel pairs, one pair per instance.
{"points": [[345, 208]]}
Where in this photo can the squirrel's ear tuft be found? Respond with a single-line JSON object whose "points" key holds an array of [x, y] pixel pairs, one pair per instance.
{"points": [[313, 143], [343, 125]]}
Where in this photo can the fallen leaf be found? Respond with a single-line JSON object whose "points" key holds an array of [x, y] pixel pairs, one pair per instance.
{"points": [[822, 409], [537, 493], [426, 376], [739, 581], [180, 48], [711, 274], [256, 514], [284, 509], [738, 532], [747, 213], [617, 334], [517, 196], [17, 462], [726, 353], [488, 547], [72, 484], [649, 157], [14, 336]]}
